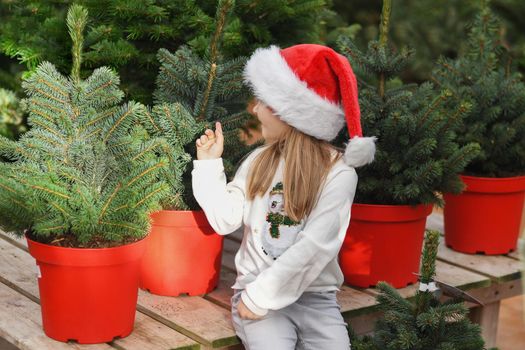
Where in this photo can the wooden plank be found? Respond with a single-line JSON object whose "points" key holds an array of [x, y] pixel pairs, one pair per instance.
{"points": [[500, 268], [20, 242], [193, 316], [514, 255], [497, 291], [148, 334], [459, 277], [21, 325], [17, 270], [355, 302]]}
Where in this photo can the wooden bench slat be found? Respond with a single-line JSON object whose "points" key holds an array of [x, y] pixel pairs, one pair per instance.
{"points": [[499, 268], [18, 268], [354, 302], [148, 334], [514, 255], [192, 316], [498, 291]]}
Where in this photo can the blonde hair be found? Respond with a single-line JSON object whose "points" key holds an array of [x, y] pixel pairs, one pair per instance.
{"points": [[307, 162]]}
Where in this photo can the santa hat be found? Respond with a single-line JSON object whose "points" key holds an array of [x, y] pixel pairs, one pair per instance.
{"points": [[306, 85]]}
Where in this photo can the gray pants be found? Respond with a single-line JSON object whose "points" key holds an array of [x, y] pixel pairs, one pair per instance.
{"points": [[313, 322]]}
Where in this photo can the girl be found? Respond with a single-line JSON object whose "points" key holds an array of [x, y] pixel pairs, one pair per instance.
{"points": [[293, 195]]}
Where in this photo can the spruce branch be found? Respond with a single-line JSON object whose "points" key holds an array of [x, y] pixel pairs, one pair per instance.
{"points": [[76, 22]]}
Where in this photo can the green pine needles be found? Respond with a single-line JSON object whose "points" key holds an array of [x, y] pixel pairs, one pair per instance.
{"points": [[10, 115], [174, 127], [496, 92], [201, 91], [423, 322], [86, 172], [126, 35], [417, 156]]}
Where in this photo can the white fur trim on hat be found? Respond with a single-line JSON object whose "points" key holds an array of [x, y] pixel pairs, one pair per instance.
{"points": [[274, 83], [360, 151]]}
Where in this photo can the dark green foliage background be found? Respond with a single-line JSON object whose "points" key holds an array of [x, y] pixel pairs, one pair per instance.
{"points": [[126, 34]]}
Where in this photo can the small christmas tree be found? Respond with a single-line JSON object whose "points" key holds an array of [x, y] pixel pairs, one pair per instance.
{"points": [[416, 153], [201, 90], [86, 174], [424, 323], [497, 94]]}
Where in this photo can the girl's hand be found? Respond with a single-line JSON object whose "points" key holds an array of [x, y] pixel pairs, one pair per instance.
{"points": [[245, 313], [210, 145]]}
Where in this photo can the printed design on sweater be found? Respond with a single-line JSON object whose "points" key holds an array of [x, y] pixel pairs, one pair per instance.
{"points": [[280, 230]]}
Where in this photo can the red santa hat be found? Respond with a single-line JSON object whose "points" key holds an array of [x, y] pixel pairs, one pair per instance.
{"points": [[312, 88]]}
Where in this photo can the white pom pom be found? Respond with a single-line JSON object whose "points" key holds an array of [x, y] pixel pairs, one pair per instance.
{"points": [[360, 151]]}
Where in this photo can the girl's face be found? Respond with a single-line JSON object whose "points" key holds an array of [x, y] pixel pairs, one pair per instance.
{"points": [[272, 126]]}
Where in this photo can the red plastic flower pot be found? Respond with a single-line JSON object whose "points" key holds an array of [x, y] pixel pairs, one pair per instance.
{"points": [[183, 254], [486, 217], [383, 243], [87, 295]]}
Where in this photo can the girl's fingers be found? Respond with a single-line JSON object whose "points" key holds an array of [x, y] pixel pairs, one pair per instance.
{"points": [[204, 139], [209, 134], [218, 132]]}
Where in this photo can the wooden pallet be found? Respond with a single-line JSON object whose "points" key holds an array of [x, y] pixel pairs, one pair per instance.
{"points": [[204, 322]]}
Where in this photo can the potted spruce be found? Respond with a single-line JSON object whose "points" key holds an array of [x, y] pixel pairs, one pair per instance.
{"points": [[80, 185], [486, 217], [424, 322], [184, 252], [416, 157]]}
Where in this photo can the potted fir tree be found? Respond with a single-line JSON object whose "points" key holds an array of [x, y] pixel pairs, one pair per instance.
{"points": [[486, 217], [424, 322], [80, 185], [184, 252], [416, 157]]}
